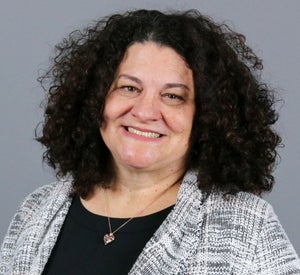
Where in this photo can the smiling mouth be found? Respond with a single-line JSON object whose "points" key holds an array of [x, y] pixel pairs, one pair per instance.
{"points": [[143, 133]]}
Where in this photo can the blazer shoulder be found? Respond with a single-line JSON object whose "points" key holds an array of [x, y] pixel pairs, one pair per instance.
{"points": [[243, 211], [241, 202], [43, 194], [35, 201], [30, 210]]}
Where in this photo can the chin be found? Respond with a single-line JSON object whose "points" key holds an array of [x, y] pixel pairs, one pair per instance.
{"points": [[139, 163]]}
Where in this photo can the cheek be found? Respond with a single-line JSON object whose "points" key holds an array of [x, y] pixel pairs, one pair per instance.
{"points": [[110, 110], [115, 108], [109, 114], [181, 123]]}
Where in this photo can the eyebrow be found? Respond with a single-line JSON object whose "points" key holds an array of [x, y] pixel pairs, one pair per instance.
{"points": [[167, 85], [177, 85], [130, 77]]}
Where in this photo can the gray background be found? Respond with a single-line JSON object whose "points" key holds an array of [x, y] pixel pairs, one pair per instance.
{"points": [[29, 29]]}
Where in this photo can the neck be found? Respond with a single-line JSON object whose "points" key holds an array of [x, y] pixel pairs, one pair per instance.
{"points": [[135, 181], [133, 191]]}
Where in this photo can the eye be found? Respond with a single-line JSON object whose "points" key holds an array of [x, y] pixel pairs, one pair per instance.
{"points": [[173, 96], [129, 88], [172, 99]]}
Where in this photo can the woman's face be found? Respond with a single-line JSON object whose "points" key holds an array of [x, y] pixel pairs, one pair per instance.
{"points": [[149, 109]]}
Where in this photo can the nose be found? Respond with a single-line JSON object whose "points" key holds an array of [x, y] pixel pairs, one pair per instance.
{"points": [[147, 107]]}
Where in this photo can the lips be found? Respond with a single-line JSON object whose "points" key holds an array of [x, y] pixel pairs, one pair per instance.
{"points": [[146, 134]]}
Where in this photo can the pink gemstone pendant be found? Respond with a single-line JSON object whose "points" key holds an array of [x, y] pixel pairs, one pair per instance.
{"points": [[108, 238]]}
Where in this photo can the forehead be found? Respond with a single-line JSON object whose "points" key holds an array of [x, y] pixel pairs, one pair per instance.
{"points": [[155, 58]]}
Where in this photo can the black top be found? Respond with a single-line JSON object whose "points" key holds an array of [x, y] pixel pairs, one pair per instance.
{"points": [[80, 248]]}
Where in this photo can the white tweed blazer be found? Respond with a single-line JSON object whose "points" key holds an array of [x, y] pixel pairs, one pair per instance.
{"points": [[212, 234]]}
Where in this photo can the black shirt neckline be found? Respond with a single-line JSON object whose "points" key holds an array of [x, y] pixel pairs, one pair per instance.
{"points": [[94, 221]]}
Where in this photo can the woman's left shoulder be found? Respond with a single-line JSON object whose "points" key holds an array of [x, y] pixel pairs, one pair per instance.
{"points": [[249, 227], [242, 204], [242, 212]]}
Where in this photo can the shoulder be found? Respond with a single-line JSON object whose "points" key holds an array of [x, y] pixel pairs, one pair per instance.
{"points": [[242, 206], [33, 205], [42, 195], [240, 232], [246, 219], [241, 203], [247, 226], [243, 211], [32, 219]]}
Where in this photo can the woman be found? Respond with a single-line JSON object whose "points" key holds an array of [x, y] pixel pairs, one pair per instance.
{"points": [[159, 128]]}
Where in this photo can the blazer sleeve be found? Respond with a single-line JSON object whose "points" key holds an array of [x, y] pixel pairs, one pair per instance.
{"points": [[30, 205], [274, 252]]}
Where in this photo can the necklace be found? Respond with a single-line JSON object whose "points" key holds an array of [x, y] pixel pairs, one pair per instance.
{"points": [[110, 237]]}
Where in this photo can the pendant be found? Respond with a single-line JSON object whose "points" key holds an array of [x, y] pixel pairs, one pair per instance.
{"points": [[108, 238]]}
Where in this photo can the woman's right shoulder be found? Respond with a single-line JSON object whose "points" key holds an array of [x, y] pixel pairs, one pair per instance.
{"points": [[37, 200], [45, 194], [39, 204]]}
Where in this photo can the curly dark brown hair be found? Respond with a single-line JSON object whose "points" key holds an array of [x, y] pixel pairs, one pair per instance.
{"points": [[232, 146]]}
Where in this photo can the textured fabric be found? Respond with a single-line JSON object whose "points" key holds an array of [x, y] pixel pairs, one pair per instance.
{"points": [[202, 235]]}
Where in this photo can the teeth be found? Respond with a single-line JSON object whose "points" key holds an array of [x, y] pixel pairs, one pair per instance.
{"points": [[144, 134]]}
